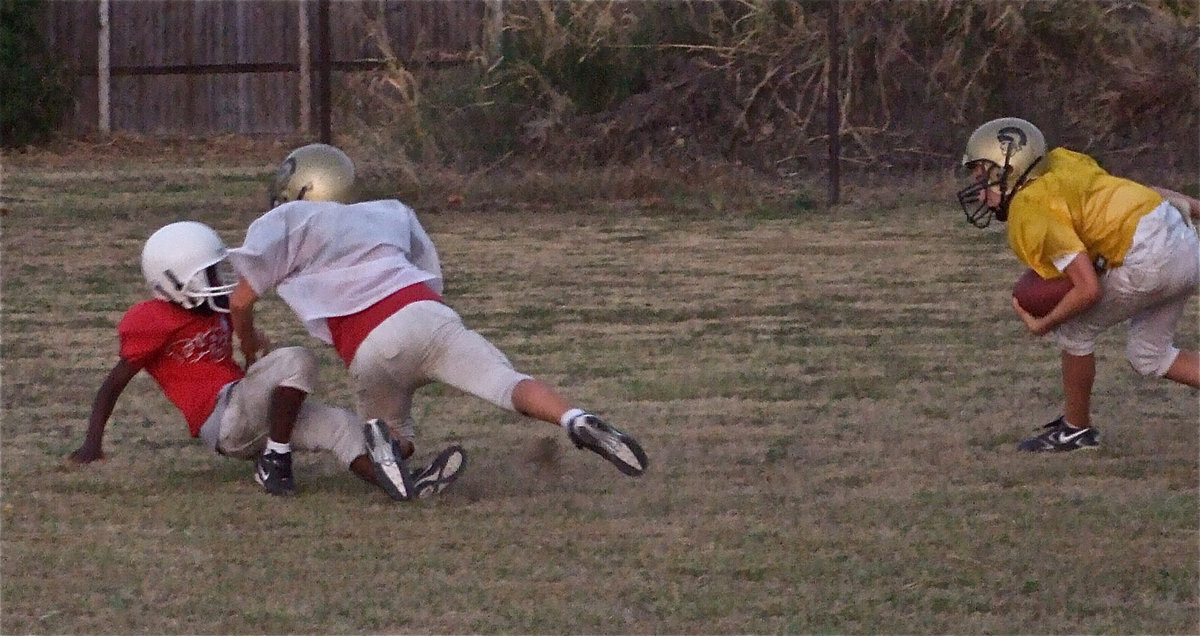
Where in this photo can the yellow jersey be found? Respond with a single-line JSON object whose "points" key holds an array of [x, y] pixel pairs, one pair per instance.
{"points": [[1075, 206]]}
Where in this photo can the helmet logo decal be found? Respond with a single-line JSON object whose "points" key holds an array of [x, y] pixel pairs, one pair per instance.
{"points": [[174, 279], [283, 176], [1012, 140], [286, 170]]}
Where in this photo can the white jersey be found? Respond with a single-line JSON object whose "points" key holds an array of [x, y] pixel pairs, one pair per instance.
{"points": [[329, 259]]}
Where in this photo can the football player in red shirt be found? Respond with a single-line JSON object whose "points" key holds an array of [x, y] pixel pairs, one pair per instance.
{"points": [[183, 340]]}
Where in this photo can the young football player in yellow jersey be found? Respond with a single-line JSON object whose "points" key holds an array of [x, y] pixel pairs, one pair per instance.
{"points": [[1130, 251]]}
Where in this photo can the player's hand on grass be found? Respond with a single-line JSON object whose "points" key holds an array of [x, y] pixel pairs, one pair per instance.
{"points": [[85, 455]]}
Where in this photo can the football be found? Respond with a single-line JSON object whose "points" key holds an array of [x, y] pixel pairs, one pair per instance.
{"points": [[1037, 295]]}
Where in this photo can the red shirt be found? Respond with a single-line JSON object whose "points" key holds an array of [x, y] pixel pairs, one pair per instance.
{"points": [[189, 354]]}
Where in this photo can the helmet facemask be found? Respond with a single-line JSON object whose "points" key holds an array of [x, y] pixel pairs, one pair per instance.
{"points": [[990, 180], [221, 280], [209, 286]]}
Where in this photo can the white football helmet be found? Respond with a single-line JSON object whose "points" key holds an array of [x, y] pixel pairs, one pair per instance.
{"points": [[180, 263], [316, 172], [1003, 154]]}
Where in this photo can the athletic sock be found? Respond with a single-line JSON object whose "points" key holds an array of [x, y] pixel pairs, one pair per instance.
{"points": [[275, 447], [571, 414]]}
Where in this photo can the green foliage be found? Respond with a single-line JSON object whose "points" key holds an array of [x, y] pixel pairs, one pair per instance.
{"points": [[35, 90], [591, 54]]}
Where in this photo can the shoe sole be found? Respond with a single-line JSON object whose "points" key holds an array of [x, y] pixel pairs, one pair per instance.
{"points": [[1047, 447], [285, 492], [390, 470], [618, 448], [442, 472], [1056, 449]]}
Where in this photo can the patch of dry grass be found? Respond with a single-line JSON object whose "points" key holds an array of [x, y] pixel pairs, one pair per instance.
{"points": [[829, 397], [613, 81]]}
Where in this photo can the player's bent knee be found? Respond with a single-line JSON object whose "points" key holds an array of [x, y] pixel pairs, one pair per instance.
{"points": [[346, 442], [301, 367]]}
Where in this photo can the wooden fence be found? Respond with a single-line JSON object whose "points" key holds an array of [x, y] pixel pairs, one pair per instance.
{"points": [[201, 67]]}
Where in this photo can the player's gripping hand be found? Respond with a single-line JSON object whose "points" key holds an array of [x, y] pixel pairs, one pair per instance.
{"points": [[255, 346], [1036, 326], [1188, 205]]}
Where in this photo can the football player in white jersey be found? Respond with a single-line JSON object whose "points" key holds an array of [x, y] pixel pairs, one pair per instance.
{"points": [[365, 278], [1130, 251]]}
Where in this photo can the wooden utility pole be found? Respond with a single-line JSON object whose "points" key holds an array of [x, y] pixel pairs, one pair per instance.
{"points": [[325, 91], [832, 106], [494, 27], [304, 56], [103, 66]]}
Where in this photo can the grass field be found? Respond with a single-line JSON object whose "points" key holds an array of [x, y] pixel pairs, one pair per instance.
{"points": [[830, 398]]}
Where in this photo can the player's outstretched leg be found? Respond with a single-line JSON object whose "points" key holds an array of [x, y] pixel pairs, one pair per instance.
{"points": [[440, 473], [390, 469], [590, 432]]}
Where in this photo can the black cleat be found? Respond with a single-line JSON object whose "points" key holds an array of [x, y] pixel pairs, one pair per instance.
{"points": [[440, 473], [590, 432], [390, 469], [273, 471], [1059, 437]]}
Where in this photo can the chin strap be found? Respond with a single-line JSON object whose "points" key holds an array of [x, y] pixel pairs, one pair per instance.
{"points": [[1007, 195], [976, 195]]}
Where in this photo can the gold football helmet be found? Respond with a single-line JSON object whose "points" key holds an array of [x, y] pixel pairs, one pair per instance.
{"points": [[1002, 155], [316, 172]]}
